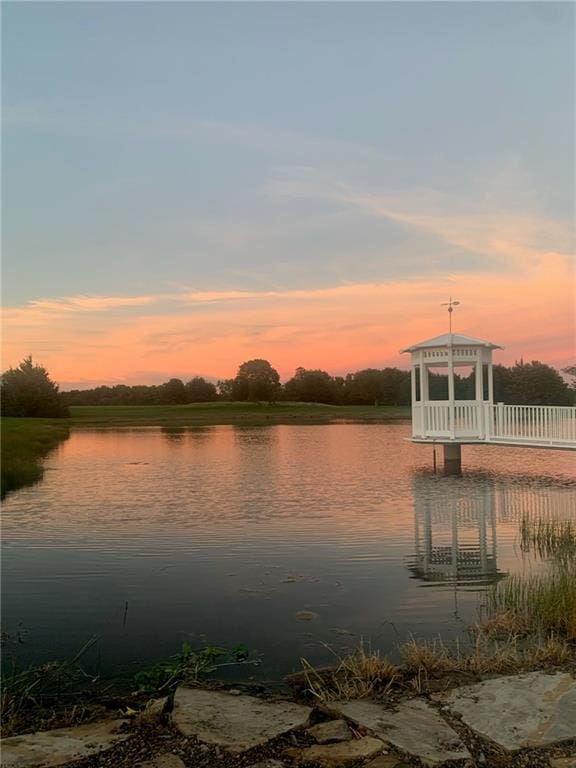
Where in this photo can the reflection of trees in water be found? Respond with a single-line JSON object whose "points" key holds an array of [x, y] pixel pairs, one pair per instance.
{"points": [[181, 435], [174, 434], [455, 531]]}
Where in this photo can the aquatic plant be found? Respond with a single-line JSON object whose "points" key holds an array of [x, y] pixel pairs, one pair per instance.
{"points": [[541, 603], [188, 665], [549, 538]]}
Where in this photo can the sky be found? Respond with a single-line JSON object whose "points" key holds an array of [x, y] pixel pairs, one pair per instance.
{"points": [[187, 186]]}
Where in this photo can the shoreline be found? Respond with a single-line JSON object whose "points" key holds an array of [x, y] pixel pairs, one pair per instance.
{"points": [[207, 723], [27, 441]]}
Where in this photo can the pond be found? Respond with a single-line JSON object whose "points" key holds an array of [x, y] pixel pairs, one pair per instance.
{"points": [[293, 540]]}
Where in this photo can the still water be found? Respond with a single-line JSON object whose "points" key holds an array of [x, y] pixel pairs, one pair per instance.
{"points": [[222, 535]]}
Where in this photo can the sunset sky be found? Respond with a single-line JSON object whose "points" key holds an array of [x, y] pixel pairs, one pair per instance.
{"points": [[191, 185]]}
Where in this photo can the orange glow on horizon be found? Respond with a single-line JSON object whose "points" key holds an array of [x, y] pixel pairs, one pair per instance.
{"points": [[89, 340]]}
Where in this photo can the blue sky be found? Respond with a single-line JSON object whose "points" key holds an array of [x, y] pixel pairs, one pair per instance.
{"points": [[157, 148]]}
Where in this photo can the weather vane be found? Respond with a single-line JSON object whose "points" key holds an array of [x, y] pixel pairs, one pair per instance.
{"points": [[450, 304]]}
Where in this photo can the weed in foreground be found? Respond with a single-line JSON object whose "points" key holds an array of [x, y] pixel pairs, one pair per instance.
{"points": [[361, 674], [33, 697], [425, 663]]}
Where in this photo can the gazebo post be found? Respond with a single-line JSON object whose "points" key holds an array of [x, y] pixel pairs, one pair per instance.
{"points": [[480, 392], [452, 458], [451, 395]]}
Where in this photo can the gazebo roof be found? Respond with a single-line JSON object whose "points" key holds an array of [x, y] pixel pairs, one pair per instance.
{"points": [[452, 339]]}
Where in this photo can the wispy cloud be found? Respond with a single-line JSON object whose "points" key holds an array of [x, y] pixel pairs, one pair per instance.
{"points": [[87, 120], [473, 225], [338, 328]]}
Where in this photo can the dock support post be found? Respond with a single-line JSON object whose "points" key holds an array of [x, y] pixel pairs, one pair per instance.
{"points": [[452, 458]]}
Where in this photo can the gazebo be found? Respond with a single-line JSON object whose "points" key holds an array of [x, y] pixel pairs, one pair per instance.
{"points": [[451, 421]]}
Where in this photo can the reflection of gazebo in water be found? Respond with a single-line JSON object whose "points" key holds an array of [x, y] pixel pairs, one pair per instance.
{"points": [[454, 532]]}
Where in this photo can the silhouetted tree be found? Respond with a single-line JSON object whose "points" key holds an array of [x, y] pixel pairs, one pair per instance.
{"points": [[198, 390], [396, 387], [173, 392], [256, 380], [365, 387], [536, 383], [311, 387], [29, 391], [225, 387], [570, 371], [374, 386]]}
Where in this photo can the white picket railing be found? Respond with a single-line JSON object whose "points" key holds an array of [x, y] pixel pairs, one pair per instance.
{"points": [[549, 424], [523, 424]]}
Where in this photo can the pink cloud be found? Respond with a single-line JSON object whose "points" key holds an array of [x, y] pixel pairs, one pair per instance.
{"points": [[339, 329]]}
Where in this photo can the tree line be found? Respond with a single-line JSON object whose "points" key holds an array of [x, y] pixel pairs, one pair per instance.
{"points": [[533, 383], [28, 390]]}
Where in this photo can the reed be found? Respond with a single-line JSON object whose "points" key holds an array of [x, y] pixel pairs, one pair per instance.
{"points": [[549, 538], [541, 603]]}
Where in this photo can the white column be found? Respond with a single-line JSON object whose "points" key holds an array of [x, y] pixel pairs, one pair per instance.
{"points": [[490, 383], [423, 396], [423, 383], [479, 393], [416, 410], [451, 389], [479, 377]]}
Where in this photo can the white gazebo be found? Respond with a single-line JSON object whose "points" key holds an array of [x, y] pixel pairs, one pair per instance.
{"points": [[450, 420], [453, 421]]}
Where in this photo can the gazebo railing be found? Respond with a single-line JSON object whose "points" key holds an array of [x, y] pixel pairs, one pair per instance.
{"points": [[544, 424], [531, 423]]}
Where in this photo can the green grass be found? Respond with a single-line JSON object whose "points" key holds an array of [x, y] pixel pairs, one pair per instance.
{"points": [[230, 413], [25, 443]]}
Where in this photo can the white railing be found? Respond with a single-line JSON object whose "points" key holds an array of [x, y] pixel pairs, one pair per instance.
{"points": [[437, 419], [524, 424], [550, 424]]}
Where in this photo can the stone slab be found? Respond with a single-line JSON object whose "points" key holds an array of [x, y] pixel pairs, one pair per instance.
{"points": [[333, 730], [163, 761], [45, 749], [386, 761], [270, 763], [413, 727], [528, 710], [236, 723], [337, 754], [563, 762]]}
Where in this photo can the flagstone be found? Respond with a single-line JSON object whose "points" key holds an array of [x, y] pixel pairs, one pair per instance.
{"points": [[413, 726], [236, 723], [528, 710]]}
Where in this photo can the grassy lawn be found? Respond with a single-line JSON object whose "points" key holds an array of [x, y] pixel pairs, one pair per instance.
{"points": [[25, 442], [230, 413]]}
